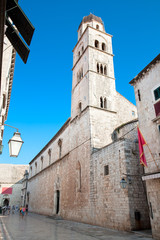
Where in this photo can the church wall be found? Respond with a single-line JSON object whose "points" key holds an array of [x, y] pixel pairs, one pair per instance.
{"points": [[112, 206], [102, 125], [63, 176], [62, 171]]}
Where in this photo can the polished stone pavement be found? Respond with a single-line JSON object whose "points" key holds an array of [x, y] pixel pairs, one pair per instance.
{"points": [[38, 227]]}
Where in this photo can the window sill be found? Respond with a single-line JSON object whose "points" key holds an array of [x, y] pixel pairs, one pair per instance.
{"points": [[157, 119]]}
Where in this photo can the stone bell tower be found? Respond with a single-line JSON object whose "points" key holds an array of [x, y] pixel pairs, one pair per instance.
{"points": [[93, 72], [93, 83]]}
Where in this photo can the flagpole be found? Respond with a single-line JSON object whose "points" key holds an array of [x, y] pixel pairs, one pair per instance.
{"points": [[152, 156]]}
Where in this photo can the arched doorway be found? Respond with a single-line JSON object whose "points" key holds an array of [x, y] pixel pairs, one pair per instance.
{"points": [[6, 202]]}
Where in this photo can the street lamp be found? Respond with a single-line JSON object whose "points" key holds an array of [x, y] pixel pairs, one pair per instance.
{"points": [[15, 144], [126, 180], [123, 183]]}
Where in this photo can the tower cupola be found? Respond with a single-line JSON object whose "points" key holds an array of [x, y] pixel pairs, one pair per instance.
{"points": [[92, 21]]}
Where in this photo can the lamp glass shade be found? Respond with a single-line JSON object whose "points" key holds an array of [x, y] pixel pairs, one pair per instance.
{"points": [[15, 144], [123, 183]]}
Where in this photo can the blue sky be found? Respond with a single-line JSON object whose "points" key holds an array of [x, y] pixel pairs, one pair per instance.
{"points": [[41, 93]]}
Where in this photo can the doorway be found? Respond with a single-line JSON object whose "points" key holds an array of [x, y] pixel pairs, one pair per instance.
{"points": [[6, 202], [57, 201]]}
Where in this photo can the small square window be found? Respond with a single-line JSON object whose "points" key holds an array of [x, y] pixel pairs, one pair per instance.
{"points": [[106, 170]]}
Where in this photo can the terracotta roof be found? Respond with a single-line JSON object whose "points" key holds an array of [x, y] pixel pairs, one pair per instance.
{"points": [[89, 18], [146, 69]]}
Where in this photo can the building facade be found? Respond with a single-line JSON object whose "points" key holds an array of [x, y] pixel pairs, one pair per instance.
{"points": [[77, 174], [147, 93], [11, 177], [10, 42], [6, 79], [24, 195]]}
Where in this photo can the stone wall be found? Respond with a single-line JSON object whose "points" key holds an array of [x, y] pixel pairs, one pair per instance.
{"points": [[11, 177], [112, 206]]}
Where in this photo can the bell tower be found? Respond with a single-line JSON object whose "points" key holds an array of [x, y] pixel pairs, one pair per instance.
{"points": [[93, 83]]}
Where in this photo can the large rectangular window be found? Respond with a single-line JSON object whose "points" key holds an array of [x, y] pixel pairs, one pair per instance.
{"points": [[157, 93]]}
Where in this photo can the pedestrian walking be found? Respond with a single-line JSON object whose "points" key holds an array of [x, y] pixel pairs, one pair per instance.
{"points": [[17, 208], [23, 211], [13, 209], [20, 210]]}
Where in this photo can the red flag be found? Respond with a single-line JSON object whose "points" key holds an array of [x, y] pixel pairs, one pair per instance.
{"points": [[141, 143]]}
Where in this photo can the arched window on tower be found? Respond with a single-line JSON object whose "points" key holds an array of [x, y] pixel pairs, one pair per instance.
{"points": [[103, 46], [101, 69], [96, 44], [97, 26], [98, 67], [82, 49], [105, 70], [101, 102], [105, 103]]}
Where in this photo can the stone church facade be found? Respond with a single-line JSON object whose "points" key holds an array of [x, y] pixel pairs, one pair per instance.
{"points": [[77, 174]]}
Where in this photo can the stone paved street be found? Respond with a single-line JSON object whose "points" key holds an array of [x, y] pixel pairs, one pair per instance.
{"points": [[38, 227]]}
